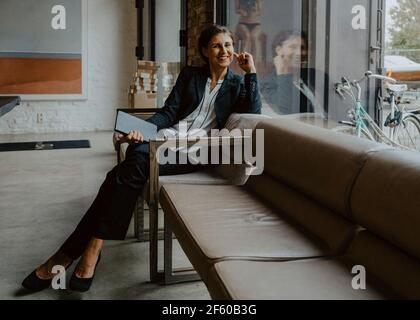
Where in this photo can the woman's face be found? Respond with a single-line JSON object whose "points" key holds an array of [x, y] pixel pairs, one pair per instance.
{"points": [[219, 51], [293, 52]]}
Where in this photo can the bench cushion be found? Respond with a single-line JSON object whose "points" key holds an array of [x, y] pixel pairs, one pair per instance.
{"points": [[317, 162], [204, 176], [333, 229], [386, 198], [313, 279], [388, 263], [229, 222]]}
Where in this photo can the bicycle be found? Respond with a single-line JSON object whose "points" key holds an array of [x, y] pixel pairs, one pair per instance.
{"points": [[405, 125]]}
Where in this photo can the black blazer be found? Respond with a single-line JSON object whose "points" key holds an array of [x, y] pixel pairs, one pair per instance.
{"points": [[237, 95]]}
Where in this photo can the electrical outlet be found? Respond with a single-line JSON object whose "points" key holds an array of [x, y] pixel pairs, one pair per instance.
{"points": [[39, 118]]}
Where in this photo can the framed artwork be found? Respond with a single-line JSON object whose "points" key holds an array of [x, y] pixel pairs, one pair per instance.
{"points": [[43, 49]]}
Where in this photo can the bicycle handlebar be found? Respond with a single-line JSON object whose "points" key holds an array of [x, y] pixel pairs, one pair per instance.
{"points": [[369, 74], [346, 85]]}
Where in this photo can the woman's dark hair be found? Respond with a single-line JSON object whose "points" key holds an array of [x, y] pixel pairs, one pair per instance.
{"points": [[281, 37], [207, 34]]}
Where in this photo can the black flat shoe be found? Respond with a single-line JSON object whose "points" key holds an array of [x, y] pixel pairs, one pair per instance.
{"points": [[82, 284], [34, 283]]}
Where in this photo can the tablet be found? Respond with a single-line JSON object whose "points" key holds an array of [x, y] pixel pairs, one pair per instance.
{"points": [[126, 122]]}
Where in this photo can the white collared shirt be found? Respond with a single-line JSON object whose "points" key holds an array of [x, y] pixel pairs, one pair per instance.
{"points": [[202, 119]]}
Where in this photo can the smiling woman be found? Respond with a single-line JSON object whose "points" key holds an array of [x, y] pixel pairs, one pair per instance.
{"points": [[203, 98]]}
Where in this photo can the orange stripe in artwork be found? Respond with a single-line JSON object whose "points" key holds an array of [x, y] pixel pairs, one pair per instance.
{"points": [[40, 76]]}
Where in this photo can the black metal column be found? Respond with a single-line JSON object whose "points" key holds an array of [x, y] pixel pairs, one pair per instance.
{"points": [[153, 30], [140, 47], [221, 12]]}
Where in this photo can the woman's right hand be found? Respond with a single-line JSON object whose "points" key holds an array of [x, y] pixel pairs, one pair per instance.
{"points": [[281, 65], [132, 137], [246, 62]]}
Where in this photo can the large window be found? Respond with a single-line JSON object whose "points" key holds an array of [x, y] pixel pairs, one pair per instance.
{"points": [[402, 55], [302, 48], [272, 32], [161, 26], [159, 30]]}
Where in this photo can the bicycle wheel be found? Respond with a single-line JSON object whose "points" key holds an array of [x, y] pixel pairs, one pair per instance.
{"points": [[408, 132], [351, 131]]}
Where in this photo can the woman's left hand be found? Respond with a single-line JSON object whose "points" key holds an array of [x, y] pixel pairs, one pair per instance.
{"points": [[133, 137], [246, 62]]}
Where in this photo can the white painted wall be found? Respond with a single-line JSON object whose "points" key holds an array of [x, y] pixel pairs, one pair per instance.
{"points": [[112, 30]]}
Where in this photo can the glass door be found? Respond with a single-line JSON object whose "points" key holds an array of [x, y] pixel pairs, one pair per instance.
{"points": [[161, 29], [271, 31], [302, 48], [168, 23]]}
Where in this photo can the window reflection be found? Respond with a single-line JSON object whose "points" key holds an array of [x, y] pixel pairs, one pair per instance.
{"points": [[271, 30], [288, 87]]}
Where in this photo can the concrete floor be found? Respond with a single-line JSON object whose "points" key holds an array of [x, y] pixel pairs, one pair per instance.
{"points": [[43, 195]]}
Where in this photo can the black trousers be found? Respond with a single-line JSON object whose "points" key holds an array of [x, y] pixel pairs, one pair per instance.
{"points": [[109, 216]]}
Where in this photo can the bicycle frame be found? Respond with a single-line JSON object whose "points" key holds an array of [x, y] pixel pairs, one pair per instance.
{"points": [[394, 108], [360, 116], [362, 121]]}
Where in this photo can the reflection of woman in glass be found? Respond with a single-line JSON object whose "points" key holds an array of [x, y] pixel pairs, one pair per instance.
{"points": [[248, 33], [290, 53], [281, 88]]}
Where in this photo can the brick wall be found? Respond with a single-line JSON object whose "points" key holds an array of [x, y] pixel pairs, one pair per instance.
{"points": [[200, 15]]}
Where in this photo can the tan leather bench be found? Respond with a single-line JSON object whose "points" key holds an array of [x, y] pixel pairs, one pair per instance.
{"points": [[209, 175], [384, 201], [325, 202]]}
